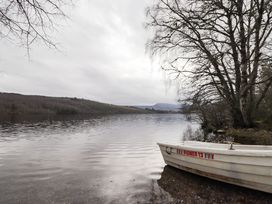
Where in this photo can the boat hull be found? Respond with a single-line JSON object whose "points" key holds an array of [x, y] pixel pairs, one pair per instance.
{"points": [[243, 168]]}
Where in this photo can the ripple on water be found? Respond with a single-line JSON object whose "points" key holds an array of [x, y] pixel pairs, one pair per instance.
{"points": [[38, 174], [56, 162], [154, 175], [150, 193]]}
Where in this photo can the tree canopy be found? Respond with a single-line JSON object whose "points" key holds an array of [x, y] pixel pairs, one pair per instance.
{"points": [[29, 20], [222, 47]]}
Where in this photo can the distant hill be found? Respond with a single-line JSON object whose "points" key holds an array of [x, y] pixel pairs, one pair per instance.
{"points": [[28, 107], [163, 107]]}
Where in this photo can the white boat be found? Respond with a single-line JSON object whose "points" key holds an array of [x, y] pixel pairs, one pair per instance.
{"points": [[244, 165]]}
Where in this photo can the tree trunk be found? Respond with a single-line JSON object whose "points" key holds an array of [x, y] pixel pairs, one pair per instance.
{"points": [[242, 115], [237, 117], [243, 108]]}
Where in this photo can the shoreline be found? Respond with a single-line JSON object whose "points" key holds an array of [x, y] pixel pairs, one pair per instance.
{"points": [[43, 118], [190, 188]]}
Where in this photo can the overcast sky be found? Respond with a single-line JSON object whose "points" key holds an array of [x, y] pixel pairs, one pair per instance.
{"points": [[102, 58]]}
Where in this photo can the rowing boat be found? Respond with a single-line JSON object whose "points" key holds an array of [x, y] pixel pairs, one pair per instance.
{"points": [[244, 165]]}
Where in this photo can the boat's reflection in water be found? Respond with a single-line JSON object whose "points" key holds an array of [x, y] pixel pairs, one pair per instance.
{"points": [[189, 188]]}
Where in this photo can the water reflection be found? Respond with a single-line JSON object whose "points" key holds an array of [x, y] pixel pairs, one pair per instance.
{"points": [[112, 159], [189, 188]]}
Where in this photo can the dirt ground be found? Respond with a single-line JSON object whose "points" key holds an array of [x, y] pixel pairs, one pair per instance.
{"points": [[189, 188]]}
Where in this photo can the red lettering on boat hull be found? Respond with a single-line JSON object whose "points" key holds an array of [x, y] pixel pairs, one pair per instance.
{"points": [[189, 153]]}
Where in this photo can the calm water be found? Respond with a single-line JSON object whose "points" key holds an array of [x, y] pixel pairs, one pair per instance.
{"points": [[105, 160]]}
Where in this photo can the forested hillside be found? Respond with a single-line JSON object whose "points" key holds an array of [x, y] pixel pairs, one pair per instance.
{"points": [[24, 107]]}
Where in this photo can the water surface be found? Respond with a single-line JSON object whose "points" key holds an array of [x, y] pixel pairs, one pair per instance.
{"points": [[112, 159]]}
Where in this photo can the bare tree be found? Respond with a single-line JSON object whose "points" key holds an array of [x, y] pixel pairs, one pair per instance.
{"points": [[221, 46], [29, 20]]}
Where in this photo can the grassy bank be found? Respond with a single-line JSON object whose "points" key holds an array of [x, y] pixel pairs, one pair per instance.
{"points": [[250, 136], [17, 107]]}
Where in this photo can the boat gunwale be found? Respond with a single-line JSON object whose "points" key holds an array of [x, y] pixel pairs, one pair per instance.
{"points": [[221, 144], [235, 152], [224, 161]]}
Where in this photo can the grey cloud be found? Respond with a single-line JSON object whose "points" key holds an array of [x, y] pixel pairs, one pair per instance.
{"points": [[103, 58]]}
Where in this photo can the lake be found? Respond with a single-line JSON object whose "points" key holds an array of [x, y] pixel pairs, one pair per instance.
{"points": [[113, 159]]}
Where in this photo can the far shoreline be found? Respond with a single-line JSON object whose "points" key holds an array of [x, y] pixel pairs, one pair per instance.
{"points": [[30, 108], [28, 119]]}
